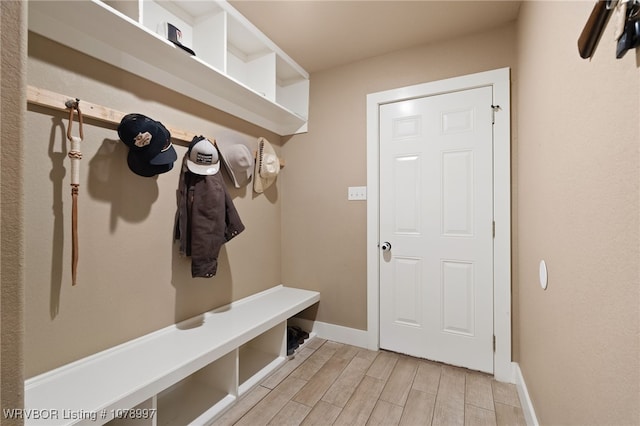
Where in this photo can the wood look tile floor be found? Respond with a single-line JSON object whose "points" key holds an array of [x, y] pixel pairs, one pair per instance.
{"points": [[328, 383]]}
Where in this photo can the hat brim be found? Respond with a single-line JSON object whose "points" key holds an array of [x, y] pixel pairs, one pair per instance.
{"points": [[167, 156], [239, 178], [200, 169], [260, 184], [141, 167], [183, 47]]}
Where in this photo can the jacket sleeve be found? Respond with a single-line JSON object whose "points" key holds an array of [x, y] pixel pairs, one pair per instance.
{"points": [[207, 224], [181, 220], [233, 224]]}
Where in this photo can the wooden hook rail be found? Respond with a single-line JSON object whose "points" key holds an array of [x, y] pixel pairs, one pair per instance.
{"points": [[57, 101]]}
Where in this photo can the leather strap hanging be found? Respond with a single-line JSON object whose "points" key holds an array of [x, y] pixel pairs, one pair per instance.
{"points": [[75, 155]]}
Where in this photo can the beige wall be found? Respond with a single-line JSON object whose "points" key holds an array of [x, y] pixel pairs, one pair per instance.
{"points": [[131, 279], [13, 45], [323, 234], [578, 204]]}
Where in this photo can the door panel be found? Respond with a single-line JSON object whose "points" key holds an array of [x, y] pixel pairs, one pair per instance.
{"points": [[436, 210], [457, 193], [406, 171], [406, 297], [457, 298]]}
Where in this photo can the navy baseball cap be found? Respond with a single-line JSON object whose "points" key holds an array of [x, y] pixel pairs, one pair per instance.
{"points": [[149, 144]]}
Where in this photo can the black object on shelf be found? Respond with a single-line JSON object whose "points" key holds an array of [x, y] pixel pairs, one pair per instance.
{"points": [[174, 35]]}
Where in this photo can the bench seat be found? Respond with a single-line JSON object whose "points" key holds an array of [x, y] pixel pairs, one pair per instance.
{"points": [[95, 389]]}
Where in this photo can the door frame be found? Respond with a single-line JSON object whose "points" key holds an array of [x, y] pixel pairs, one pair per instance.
{"points": [[499, 80]]}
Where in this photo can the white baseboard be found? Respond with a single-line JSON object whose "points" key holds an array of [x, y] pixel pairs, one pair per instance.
{"points": [[525, 400], [335, 333]]}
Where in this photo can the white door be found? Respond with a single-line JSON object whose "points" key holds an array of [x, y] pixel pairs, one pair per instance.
{"points": [[436, 213]]}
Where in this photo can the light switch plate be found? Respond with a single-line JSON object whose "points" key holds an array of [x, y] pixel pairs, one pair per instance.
{"points": [[357, 193]]}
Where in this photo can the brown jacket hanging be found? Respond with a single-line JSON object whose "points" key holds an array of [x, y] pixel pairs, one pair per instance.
{"points": [[206, 219]]}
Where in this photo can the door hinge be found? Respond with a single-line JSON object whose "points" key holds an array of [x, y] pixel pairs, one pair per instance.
{"points": [[494, 229], [494, 342], [494, 108]]}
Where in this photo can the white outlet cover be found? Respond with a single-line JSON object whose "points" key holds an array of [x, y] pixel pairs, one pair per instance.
{"points": [[544, 277]]}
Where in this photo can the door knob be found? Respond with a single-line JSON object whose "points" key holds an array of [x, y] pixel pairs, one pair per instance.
{"points": [[386, 246]]}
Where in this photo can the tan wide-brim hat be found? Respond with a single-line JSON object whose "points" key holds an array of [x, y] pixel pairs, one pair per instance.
{"points": [[267, 166]]}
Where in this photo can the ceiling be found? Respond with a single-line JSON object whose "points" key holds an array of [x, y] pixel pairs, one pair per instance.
{"points": [[321, 34]]}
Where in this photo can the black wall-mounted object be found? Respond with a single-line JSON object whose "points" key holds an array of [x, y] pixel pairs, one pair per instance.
{"points": [[627, 21], [630, 38], [592, 31]]}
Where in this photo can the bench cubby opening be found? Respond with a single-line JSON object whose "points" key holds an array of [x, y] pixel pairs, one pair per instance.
{"points": [[201, 395], [260, 356]]}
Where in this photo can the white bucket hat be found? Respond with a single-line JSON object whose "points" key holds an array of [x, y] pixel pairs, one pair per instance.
{"points": [[237, 160], [267, 166], [202, 157]]}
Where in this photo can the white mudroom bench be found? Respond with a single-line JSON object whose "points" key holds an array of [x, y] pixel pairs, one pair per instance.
{"points": [[187, 373]]}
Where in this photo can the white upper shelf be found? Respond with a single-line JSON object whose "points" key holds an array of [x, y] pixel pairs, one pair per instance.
{"points": [[237, 69]]}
